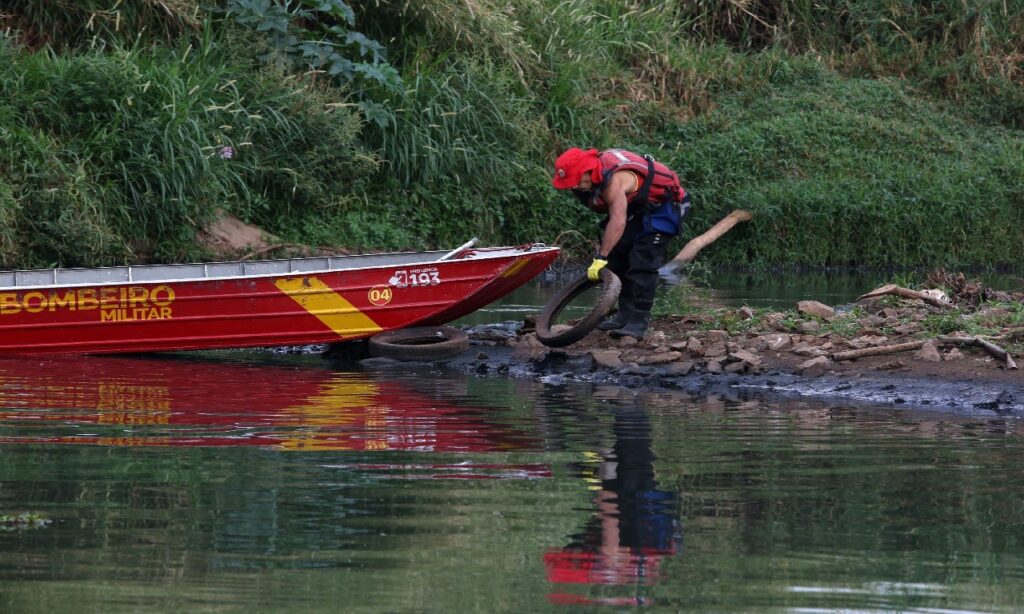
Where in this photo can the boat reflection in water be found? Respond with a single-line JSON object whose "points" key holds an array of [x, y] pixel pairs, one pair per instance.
{"points": [[634, 527], [121, 401]]}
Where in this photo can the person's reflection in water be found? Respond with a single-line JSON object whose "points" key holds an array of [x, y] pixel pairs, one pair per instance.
{"points": [[634, 528]]}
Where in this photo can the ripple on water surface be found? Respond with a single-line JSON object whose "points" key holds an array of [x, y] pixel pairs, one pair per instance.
{"points": [[236, 484]]}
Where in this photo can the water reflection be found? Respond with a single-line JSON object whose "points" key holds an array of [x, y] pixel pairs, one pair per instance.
{"points": [[234, 485], [633, 526], [185, 402]]}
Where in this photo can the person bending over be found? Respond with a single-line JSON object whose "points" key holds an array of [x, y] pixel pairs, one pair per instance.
{"points": [[644, 205]]}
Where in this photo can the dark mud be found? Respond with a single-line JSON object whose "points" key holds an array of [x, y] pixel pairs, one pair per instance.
{"points": [[883, 388], [493, 351]]}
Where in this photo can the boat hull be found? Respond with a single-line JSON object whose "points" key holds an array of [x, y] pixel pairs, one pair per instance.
{"points": [[359, 299]]}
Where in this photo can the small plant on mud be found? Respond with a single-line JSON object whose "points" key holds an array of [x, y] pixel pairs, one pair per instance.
{"points": [[697, 273], [680, 299], [888, 301], [730, 321], [846, 324], [906, 279], [944, 324], [992, 319], [1001, 315], [790, 322]]}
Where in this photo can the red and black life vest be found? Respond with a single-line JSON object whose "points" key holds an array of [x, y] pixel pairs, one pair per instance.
{"points": [[658, 184]]}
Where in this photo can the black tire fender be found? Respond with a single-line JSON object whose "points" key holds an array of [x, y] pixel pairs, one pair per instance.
{"points": [[423, 343], [610, 288]]}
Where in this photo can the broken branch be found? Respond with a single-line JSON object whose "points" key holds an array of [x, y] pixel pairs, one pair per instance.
{"points": [[993, 349], [877, 350], [905, 293]]}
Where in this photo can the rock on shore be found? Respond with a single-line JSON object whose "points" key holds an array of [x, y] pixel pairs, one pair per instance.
{"points": [[793, 354]]}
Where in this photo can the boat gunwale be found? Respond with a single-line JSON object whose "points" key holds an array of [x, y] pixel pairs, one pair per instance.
{"points": [[485, 253]]}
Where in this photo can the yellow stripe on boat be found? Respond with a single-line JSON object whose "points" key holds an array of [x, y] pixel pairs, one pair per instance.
{"points": [[328, 306], [516, 266]]}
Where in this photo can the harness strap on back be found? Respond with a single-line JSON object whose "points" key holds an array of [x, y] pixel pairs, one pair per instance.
{"points": [[645, 189]]}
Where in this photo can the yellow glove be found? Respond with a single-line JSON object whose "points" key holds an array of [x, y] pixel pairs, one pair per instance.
{"points": [[593, 273]]}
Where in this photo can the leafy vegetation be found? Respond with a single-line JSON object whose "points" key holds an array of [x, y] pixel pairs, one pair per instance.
{"points": [[855, 172], [869, 132], [27, 520], [329, 46]]}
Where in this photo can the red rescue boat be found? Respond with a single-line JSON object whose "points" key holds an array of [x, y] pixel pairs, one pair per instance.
{"points": [[253, 303]]}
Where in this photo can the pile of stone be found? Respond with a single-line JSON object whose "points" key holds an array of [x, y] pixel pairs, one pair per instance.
{"points": [[687, 348]]}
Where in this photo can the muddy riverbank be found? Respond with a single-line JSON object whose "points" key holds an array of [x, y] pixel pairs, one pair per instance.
{"points": [[933, 351], [972, 386]]}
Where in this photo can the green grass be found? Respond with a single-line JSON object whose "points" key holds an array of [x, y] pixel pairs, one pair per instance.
{"points": [[845, 324], [873, 133], [82, 23], [853, 172], [112, 157], [966, 53]]}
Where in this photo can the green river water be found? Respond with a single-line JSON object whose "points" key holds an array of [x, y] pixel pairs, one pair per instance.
{"points": [[249, 482]]}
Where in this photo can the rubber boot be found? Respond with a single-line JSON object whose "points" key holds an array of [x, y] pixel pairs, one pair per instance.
{"points": [[619, 319], [635, 328]]}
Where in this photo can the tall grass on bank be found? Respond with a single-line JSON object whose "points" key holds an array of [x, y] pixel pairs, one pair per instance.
{"points": [[120, 156], [66, 24], [466, 156], [851, 172], [838, 171], [971, 53], [479, 29]]}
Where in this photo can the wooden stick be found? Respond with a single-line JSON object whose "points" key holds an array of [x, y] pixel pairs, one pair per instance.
{"points": [[905, 293], [698, 243], [878, 350], [988, 346], [993, 349]]}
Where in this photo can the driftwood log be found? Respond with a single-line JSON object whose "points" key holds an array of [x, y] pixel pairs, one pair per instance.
{"points": [[993, 349], [901, 292], [878, 350], [689, 251]]}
